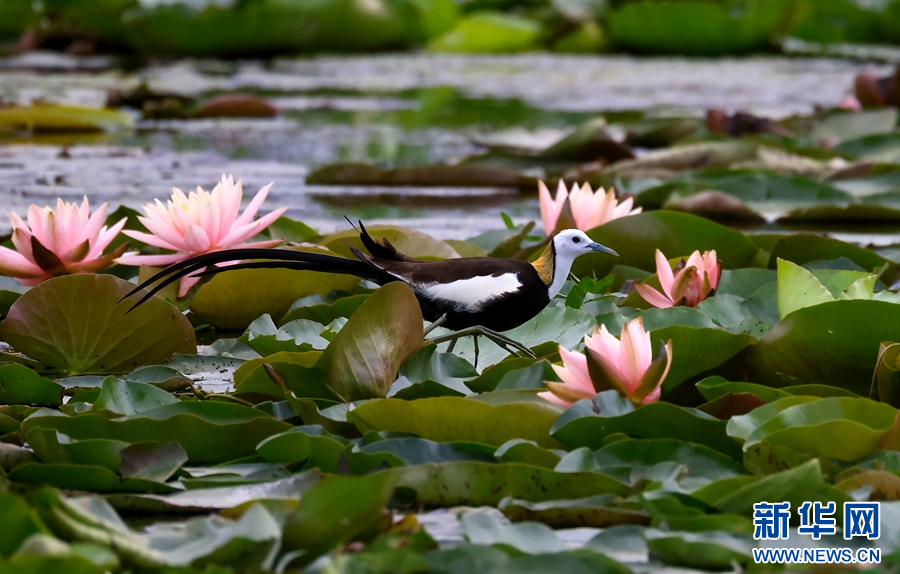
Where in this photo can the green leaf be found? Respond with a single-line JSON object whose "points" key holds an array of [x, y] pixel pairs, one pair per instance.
{"points": [[887, 374], [127, 398], [296, 369], [637, 238], [246, 543], [841, 127], [797, 485], [459, 419], [581, 427], [295, 336], [152, 461], [715, 387], [429, 365], [338, 509], [83, 477], [601, 511], [832, 344], [705, 550], [414, 451], [473, 483], [208, 431], [324, 313], [489, 32], [310, 444], [528, 537], [697, 350], [366, 356], [291, 230], [234, 299], [833, 428], [17, 522], [78, 323], [528, 452], [804, 248], [798, 288], [407, 241], [47, 117], [680, 466], [697, 28], [21, 385]]}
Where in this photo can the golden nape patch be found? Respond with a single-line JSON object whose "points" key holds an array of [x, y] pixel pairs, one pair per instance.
{"points": [[544, 265]]}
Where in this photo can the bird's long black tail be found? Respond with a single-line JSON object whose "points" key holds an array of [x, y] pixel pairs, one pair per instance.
{"points": [[258, 259]]}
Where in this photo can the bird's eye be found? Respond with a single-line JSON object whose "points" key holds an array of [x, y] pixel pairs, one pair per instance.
{"points": [[576, 240]]}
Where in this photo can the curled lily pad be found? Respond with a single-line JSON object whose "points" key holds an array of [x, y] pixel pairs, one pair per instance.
{"points": [[833, 428], [78, 324], [887, 373], [366, 356]]}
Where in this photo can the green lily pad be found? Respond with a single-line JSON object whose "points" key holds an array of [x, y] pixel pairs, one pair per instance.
{"points": [[489, 32], [473, 483], [705, 550], [697, 27], [324, 313], [78, 323], [295, 336], [234, 299], [580, 426], [311, 443], [797, 485], [601, 511], [680, 466], [295, 368], [528, 452], [430, 368], [366, 356], [887, 373], [637, 238], [47, 117], [407, 241], [21, 385], [208, 431], [128, 398], [713, 388], [833, 344], [527, 537], [82, 477], [833, 428], [803, 248], [412, 451], [695, 351], [338, 509], [459, 419]]}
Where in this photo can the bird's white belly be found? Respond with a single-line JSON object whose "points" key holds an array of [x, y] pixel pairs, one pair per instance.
{"points": [[469, 295]]}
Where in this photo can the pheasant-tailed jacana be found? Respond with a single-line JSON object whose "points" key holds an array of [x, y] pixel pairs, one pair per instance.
{"points": [[470, 295]]}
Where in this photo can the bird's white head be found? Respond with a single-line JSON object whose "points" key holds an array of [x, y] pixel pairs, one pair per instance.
{"points": [[567, 246]]}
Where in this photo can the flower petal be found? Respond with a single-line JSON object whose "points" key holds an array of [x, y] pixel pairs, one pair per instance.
{"points": [[245, 232], [152, 260], [196, 240], [664, 272], [652, 296], [254, 206]]}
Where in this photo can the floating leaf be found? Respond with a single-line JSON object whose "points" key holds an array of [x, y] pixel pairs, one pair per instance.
{"points": [[472, 483], [21, 385], [310, 444], [834, 428], [78, 323], [832, 344], [580, 426], [295, 336], [887, 373], [459, 419], [491, 32], [47, 117], [601, 511], [706, 550], [234, 299], [128, 398], [208, 431]]}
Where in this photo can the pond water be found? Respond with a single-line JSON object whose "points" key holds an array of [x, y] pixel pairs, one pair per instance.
{"points": [[391, 110]]}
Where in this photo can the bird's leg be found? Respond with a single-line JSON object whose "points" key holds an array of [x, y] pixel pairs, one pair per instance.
{"points": [[452, 344], [500, 340], [435, 325], [475, 342]]}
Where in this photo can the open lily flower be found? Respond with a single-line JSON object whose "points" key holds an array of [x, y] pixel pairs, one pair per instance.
{"points": [[587, 208], [691, 282], [201, 222], [625, 365], [69, 239]]}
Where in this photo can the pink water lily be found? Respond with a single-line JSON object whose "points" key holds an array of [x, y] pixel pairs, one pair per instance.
{"points": [[201, 222], [589, 209], [625, 365], [691, 282], [69, 239]]}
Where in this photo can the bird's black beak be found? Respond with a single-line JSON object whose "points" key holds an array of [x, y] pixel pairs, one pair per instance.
{"points": [[602, 248]]}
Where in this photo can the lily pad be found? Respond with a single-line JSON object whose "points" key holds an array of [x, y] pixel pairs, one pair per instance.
{"points": [[20, 385], [490, 32], [78, 323], [208, 431], [833, 343], [581, 426], [459, 419], [128, 398], [839, 428], [47, 117], [601, 511], [234, 299], [366, 356], [295, 336]]}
